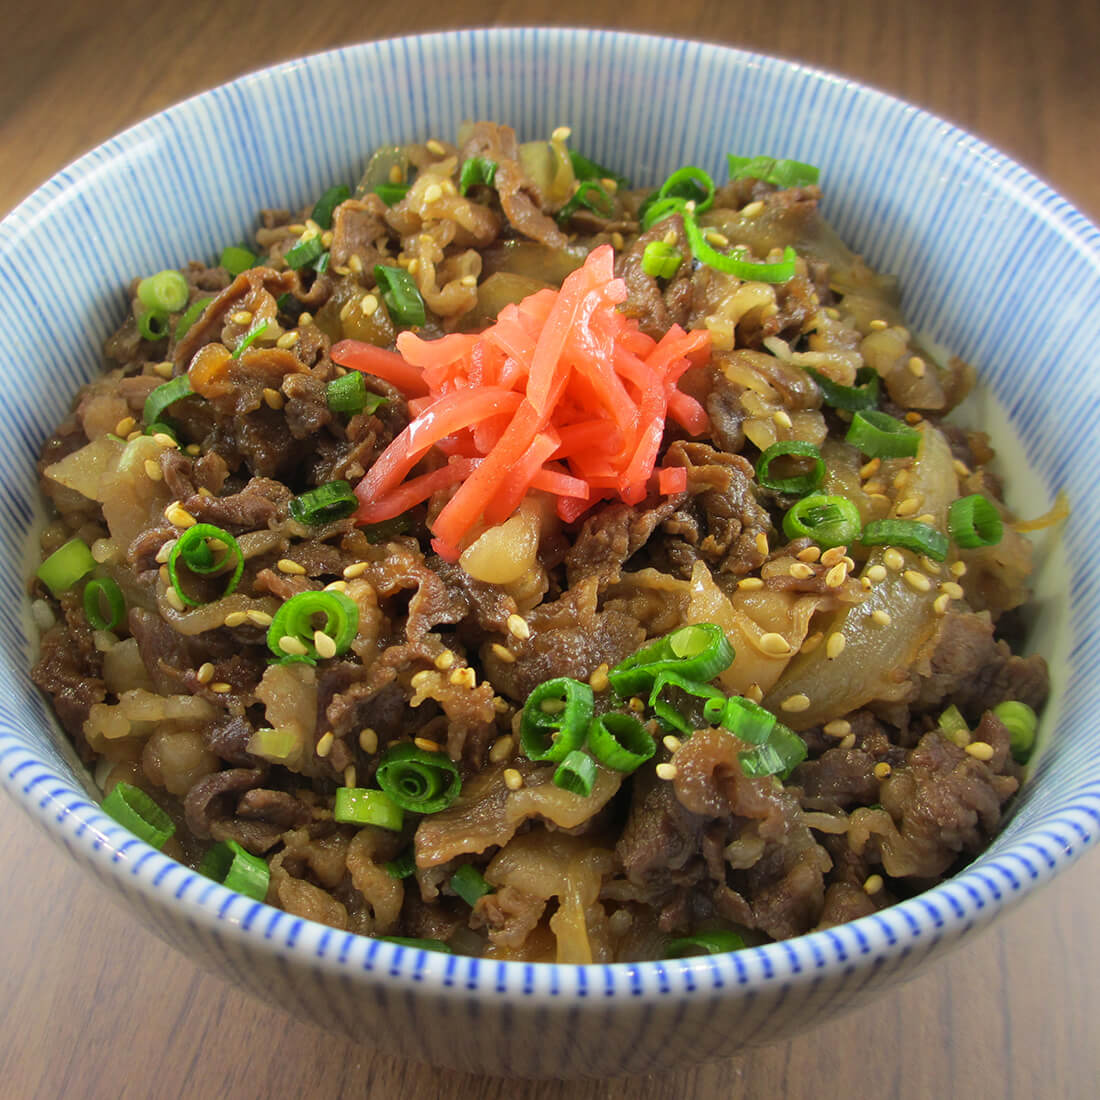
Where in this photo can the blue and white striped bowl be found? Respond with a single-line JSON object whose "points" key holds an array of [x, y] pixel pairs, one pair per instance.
{"points": [[995, 266]]}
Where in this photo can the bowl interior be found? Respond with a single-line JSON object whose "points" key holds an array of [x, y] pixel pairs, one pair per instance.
{"points": [[993, 265]]}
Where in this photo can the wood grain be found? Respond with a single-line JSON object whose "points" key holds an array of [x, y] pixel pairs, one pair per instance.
{"points": [[94, 1007]]}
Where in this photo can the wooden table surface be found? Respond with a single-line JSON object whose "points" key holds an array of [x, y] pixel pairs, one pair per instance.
{"points": [[93, 1006]]}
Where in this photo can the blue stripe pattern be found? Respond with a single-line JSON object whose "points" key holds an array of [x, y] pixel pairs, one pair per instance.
{"points": [[994, 266]]}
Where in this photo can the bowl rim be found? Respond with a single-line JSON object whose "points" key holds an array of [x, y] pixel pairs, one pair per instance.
{"points": [[894, 938]]}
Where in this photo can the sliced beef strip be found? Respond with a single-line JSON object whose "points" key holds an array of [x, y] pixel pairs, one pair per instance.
{"points": [[611, 536], [210, 794]]}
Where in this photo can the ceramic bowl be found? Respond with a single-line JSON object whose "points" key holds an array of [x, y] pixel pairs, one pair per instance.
{"points": [[994, 265]]}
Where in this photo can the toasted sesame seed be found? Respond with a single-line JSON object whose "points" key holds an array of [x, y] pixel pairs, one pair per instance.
{"points": [[296, 228], [837, 575], [782, 419], [901, 479], [754, 692], [670, 237], [872, 884], [221, 688], [958, 569], [166, 550], [929, 566], [809, 554], [164, 575], [468, 280], [908, 506], [445, 660], [501, 749], [427, 744], [877, 325], [518, 627], [714, 237], [926, 518], [293, 646], [812, 642], [235, 618], [941, 603], [916, 366], [775, 645], [865, 583], [636, 704], [173, 597], [833, 555], [762, 543], [356, 569], [599, 681], [793, 704], [917, 581], [513, 780], [273, 399], [961, 467], [153, 471], [193, 449], [617, 241], [242, 317], [287, 340], [882, 618], [327, 237], [163, 439], [848, 741], [421, 679], [324, 743], [800, 570], [832, 313], [874, 486], [610, 185], [955, 591], [751, 209], [435, 147], [305, 318], [869, 468], [125, 426], [877, 572], [368, 739], [893, 559], [414, 266], [433, 192], [501, 706], [838, 727], [503, 653], [666, 771], [368, 304], [336, 586], [258, 618], [179, 516], [834, 646], [750, 584], [464, 677], [980, 750], [205, 673], [346, 309], [286, 565], [671, 742], [881, 770], [325, 645], [165, 369], [349, 776]]}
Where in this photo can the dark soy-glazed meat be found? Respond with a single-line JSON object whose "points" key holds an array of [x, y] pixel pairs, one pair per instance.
{"points": [[639, 510]]}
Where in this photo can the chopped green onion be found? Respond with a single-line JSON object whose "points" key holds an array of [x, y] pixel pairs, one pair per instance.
{"points": [[671, 712], [152, 324], [690, 184], [65, 566], [385, 529], [236, 259], [697, 652], [275, 745], [555, 719], [908, 534], [734, 263], [654, 210], [620, 742], [586, 169], [326, 205], [228, 863], [403, 866], [359, 806], [879, 435], [98, 590], [779, 755], [953, 726], [783, 173], [703, 943], [469, 884], [349, 394], [251, 336], [746, 720], [421, 945], [418, 781], [296, 619], [190, 315], [800, 484], [974, 521], [863, 395], [163, 427], [321, 263], [1022, 722], [168, 393], [604, 208], [134, 809], [164, 292], [194, 547], [828, 520], [391, 193], [304, 253], [660, 260], [476, 172], [326, 504], [399, 292], [576, 774]]}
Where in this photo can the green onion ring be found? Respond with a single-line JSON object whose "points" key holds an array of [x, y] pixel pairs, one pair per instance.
{"points": [[555, 719], [200, 559], [66, 565], [235, 258], [879, 435], [620, 742], [132, 807], [360, 806], [418, 781], [469, 884], [400, 293], [1022, 723], [828, 520], [660, 260], [165, 292], [167, 393], [228, 863], [326, 205], [96, 591], [576, 774], [746, 720], [294, 619], [909, 534], [974, 521], [476, 171], [733, 263], [863, 395], [686, 183], [703, 943], [193, 312], [800, 484], [326, 504]]}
